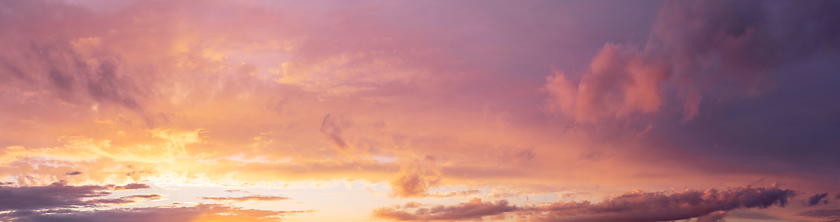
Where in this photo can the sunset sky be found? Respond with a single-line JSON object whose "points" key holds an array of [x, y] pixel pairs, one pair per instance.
{"points": [[450, 110]]}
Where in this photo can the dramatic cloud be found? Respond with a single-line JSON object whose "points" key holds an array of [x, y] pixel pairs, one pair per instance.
{"points": [[700, 47], [247, 198], [541, 108]]}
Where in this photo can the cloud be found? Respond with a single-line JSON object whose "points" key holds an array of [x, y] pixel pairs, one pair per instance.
{"points": [[131, 186], [461, 193], [707, 206], [247, 198], [830, 214], [146, 196], [331, 129], [473, 210], [56, 195], [73, 173], [696, 48], [201, 212], [620, 81], [815, 200], [643, 206], [412, 185]]}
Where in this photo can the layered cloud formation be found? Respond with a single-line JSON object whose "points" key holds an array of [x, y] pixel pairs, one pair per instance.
{"points": [[633, 206], [337, 110]]}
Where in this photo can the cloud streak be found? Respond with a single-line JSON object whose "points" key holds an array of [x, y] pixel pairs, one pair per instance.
{"points": [[247, 198], [709, 205], [56, 195], [202, 212]]}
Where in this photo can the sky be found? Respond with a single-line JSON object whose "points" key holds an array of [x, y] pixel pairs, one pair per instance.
{"points": [[372, 110]]}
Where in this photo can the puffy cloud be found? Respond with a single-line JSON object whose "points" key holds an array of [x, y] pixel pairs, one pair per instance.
{"points": [[412, 185], [696, 48], [472, 210], [247, 198], [620, 81]]}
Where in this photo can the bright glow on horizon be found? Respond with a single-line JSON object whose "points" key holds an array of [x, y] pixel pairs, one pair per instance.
{"points": [[184, 110]]}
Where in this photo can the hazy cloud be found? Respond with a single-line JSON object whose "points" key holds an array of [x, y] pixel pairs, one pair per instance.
{"points": [[247, 198]]}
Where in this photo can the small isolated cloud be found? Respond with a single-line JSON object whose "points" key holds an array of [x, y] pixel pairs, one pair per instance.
{"points": [[460, 193], [73, 173], [145, 196], [331, 129], [131, 186], [475, 209], [817, 198], [247, 198]]}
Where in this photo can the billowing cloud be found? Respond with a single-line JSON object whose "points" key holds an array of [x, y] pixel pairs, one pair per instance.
{"points": [[696, 48], [436, 101]]}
